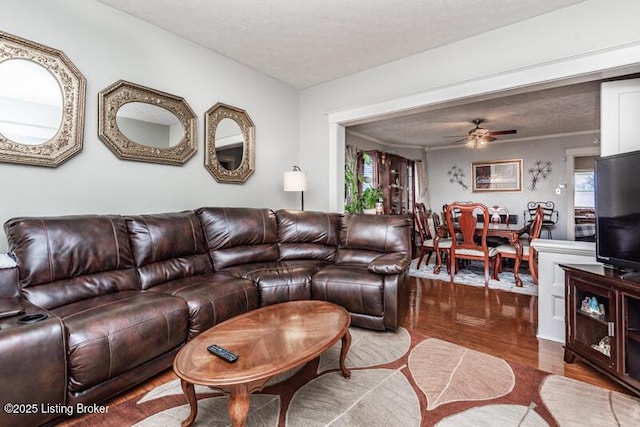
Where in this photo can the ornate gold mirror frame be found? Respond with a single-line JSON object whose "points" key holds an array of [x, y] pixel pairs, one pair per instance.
{"points": [[245, 169], [122, 92], [67, 141]]}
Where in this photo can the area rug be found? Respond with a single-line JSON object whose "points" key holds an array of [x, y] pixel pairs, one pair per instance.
{"points": [[474, 276], [398, 379]]}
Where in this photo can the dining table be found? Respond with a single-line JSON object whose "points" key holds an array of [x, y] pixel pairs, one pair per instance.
{"points": [[511, 232]]}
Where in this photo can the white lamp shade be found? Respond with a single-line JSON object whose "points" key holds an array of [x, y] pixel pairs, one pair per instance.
{"points": [[295, 181]]}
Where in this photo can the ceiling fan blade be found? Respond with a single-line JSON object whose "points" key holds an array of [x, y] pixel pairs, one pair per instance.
{"points": [[459, 141], [454, 136], [503, 132]]}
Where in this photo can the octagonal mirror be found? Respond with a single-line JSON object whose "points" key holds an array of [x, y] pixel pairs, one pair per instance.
{"points": [[139, 123], [229, 144], [42, 97]]}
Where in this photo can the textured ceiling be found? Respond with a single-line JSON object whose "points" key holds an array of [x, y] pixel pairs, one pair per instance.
{"points": [[562, 110], [304, 43]]}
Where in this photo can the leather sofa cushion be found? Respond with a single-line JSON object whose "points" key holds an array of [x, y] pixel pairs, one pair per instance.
{"points": [[167, 246], [111, 334], [381, 233], [87, 248], [281, 284], [351, 286], [212, 298], [307, 234], [239, 235]]}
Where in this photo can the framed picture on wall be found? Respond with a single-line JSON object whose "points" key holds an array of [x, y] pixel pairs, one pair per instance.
{"points": [[497, 175]]}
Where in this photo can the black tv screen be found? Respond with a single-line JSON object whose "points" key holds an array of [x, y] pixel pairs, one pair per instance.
{"points": [[618, 210]]}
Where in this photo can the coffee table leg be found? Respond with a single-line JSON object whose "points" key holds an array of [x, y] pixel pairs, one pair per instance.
{"points": [[238, 405], [190, 393], [346, 343]]}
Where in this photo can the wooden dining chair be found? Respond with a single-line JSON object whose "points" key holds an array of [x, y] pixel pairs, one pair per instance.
{"points": [[444, 243], [467, 247], [425, 238], [528, 252]]}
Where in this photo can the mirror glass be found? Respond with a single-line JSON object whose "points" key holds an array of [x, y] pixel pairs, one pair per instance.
{"points": [[149, 125], [229, 144], [30, 102], [42, 97]]}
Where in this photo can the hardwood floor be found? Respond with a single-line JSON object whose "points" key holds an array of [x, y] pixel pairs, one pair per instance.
{"points": [[493, 322]]}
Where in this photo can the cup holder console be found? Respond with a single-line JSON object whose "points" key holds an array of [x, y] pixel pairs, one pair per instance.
{"points": [[32, 318]]}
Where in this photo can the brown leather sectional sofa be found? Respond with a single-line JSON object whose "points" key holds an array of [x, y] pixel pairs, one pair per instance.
{"points": [[122, 294]]}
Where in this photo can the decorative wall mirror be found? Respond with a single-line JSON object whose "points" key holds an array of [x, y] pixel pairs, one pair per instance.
{"points": [[229, 144], [42, 98], [139, 123]]}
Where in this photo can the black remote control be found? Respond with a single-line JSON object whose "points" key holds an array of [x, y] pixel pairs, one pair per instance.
{"points": [[222, 353]]}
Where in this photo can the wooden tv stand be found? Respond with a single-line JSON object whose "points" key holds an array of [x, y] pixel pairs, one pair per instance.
{"points": [[606, 332]]}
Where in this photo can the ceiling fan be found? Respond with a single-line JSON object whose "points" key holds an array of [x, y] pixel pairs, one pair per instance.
{"points": [[479, 137]]}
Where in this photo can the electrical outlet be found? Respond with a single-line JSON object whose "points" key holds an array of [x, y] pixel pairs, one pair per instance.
{"points": [[558, 190]]}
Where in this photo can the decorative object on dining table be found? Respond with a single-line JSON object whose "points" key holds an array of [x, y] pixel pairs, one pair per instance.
{"points": [[496, 176], [540, 172], [456, 176]]}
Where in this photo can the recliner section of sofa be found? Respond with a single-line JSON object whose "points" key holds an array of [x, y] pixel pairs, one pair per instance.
{"points": [[81, 269], [171, 257], [370, 272], [129, 291]]}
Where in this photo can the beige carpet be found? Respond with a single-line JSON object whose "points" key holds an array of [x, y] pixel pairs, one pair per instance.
{"points": [[398, 379]]}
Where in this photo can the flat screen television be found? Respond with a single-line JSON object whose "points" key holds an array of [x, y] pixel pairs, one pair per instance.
{"points": [[617, 193]]}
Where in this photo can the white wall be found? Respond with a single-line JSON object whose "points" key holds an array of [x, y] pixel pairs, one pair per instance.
{"points": [[583, 29], [107, 45]]}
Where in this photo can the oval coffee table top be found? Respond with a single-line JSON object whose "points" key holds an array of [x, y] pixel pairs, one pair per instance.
{"points": [[269, 341]]}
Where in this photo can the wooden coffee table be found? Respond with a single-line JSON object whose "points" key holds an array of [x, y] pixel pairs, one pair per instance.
{"points": [[269, 341]]}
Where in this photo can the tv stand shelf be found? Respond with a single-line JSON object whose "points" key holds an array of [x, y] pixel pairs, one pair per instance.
{"points": [[602, 319]]}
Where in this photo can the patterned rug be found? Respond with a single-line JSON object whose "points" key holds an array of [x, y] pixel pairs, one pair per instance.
{"points": [[473, 275], [398, 379]]}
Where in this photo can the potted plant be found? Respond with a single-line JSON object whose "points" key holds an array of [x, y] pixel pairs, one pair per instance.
{"points": [[370, 196]]}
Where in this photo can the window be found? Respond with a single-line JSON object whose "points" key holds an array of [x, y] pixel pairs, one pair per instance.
{"points": [[583, 184]]}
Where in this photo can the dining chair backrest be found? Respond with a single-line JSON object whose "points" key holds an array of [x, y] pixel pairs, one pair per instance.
{"points": [[536, 225], [422, 221], [550, 215], [467, 223]]}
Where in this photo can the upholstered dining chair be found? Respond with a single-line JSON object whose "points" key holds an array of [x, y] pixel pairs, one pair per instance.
{"points": [[467, 247], [425, 238], [528, 252]]}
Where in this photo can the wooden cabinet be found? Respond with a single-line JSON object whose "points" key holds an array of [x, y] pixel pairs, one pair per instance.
{"points": [[395, 176], [603, 322]]}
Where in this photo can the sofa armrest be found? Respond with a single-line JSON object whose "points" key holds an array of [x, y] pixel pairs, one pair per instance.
{"points": [[393, 263]]}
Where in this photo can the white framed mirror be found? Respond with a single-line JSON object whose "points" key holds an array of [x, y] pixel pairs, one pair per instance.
{"points": [[229, 144], [143, 124], [42, 96]]}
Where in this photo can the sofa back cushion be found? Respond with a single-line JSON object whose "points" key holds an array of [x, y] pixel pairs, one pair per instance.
{"points": [[71, 258], [364, 237], [167, 246], [239, 235], [307, 235]]}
